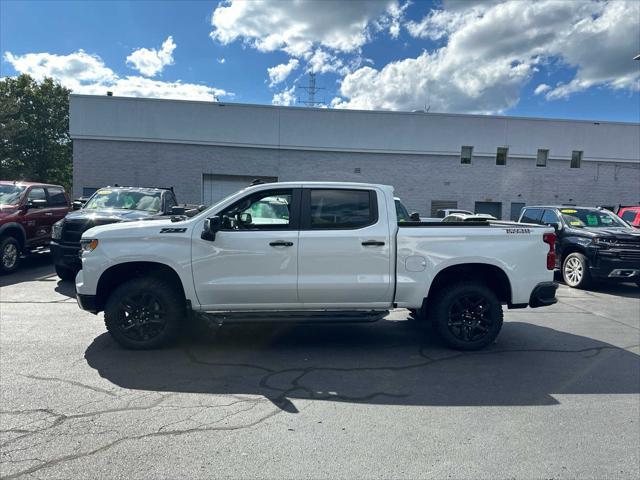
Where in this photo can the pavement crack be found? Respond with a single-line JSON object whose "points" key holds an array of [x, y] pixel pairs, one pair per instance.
{"points": [[70, 382]]}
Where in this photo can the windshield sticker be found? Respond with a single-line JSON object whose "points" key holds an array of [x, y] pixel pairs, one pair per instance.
{"points": [[592, 220], [568, 210], [104, 192], [576, 223]]}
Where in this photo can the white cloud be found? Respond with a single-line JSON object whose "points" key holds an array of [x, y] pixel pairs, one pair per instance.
{"points": [[77, 67], [542, 88], [221, 60], [85, 73], [491, 50], [286, 97], [149, 61], [296, 27], [279, 73]]}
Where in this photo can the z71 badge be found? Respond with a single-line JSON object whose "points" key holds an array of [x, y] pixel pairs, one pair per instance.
{"points": [[173, 230], [518, 230]]}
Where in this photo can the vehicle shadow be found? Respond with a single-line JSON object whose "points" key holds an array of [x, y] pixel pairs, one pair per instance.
{"points": [[620, 289], [384, 363], [33, 267]]}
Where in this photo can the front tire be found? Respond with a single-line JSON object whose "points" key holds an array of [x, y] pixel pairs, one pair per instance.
{"points": [[575, 271], [144, 313], [66, 274], [9, 255], [467, 316]]}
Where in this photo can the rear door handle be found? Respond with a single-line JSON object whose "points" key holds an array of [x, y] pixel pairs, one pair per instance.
{"points": [[372, 243], [48, 214], [281, 243]]}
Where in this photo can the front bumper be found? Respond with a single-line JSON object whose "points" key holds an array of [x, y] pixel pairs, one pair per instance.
{"points": [[87, 302], [543, 295], [616, 265], [64, 255]]}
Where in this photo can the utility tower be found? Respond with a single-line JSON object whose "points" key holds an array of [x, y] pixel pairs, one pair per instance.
{"points": [[311, 92]]}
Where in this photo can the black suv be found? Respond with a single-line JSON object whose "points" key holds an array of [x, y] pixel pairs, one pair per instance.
{"points": [[592, 243], [107, 205]]}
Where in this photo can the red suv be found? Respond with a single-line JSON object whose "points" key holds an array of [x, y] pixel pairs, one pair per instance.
{"points": [[27, 212], [630, 215]]}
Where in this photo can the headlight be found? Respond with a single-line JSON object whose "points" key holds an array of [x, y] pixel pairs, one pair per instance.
{"points": [[88, 244], [56, 230]]}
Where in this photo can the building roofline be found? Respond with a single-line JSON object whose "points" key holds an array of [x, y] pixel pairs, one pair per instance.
{"points": [[335, 110]]}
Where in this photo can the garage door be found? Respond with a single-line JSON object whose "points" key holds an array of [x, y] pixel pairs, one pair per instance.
{"points": [[217, 187], [492, 208]]}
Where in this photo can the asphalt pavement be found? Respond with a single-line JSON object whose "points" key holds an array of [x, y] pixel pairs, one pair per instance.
{"points": [[557, 396]]}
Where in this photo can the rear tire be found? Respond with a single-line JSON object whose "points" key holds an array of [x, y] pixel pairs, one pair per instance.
{"points": [[575, 271], [467, 316], [66, 274], [144, 313], [9, 255]]}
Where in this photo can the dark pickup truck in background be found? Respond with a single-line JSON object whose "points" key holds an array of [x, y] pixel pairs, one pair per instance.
{"points": [[28, 211], [591, 243], [106, 205]]}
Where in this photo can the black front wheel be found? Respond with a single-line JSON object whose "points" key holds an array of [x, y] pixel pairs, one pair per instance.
{"points": [[144, 313], [9, 254], [467, 316], [66, 274]]}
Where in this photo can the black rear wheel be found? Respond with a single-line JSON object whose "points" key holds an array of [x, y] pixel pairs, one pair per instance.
{"points": [[467, 316], [144, 313]]}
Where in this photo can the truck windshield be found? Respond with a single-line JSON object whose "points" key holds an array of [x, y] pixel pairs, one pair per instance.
{"points": [[125, 200], [590, 217], [10, 194]]}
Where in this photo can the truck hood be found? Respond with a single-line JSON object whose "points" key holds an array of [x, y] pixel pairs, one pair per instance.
{"points": [[113, 214], [619, 233], [135, 228]]}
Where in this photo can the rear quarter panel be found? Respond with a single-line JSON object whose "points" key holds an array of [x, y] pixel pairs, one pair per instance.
{"points": [[423, 252]]}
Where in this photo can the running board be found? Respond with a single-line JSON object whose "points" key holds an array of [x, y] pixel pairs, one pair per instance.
{"points": [[293, 317]]}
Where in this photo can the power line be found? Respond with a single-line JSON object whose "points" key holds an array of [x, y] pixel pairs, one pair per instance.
{"points": [[311, 89]]}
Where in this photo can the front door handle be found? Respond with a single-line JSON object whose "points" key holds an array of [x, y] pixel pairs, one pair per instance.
{"points": [[48, 214], [372, 243], [281, 243]]}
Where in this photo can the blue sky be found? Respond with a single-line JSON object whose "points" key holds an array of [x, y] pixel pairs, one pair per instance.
{"points": [[546, 59]]}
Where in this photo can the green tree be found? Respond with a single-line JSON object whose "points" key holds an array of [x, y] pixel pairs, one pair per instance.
{"points": [[34, 131]]}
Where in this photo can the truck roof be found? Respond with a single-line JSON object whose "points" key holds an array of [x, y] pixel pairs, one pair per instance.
{"points": [[323, 184], [28, 184]]}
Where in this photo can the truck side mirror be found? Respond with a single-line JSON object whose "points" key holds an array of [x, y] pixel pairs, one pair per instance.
{"points": [[211, 226], [245, 218], [555, 225], [414, 217]]}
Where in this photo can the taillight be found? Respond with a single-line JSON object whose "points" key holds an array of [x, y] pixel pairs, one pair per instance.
{"points": [[550, 238]]}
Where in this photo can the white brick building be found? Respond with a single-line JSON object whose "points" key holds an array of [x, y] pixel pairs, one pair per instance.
{"points": [[207, 150]]}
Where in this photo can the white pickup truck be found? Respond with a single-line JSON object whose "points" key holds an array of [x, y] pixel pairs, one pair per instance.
{"points": [[312, 251]]}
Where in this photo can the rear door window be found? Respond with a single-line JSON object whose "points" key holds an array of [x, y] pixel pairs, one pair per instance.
{"points": [[340, 209], [57, 197]]}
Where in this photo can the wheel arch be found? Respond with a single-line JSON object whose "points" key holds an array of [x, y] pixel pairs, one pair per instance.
{"points": [[490, 275], [122, 272], [15, 230]]}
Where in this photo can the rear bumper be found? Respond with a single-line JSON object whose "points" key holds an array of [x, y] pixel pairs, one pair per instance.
{"points": [[543, 295], [67, 256]]}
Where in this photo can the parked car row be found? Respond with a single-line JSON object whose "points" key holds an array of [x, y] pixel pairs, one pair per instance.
{"points": [[38, 215], [592, 243]]}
